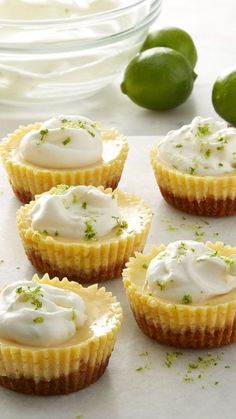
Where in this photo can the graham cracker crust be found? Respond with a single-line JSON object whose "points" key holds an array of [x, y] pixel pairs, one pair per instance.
{"points": [[75, 381], [191, 339], [25, 196], [81, 276], [205, 207]]}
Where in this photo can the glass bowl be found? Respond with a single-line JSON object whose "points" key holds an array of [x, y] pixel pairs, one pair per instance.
{"points": [[61, 60]]}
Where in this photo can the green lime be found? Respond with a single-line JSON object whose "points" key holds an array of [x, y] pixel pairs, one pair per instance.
{"points": [[174, 38], [158, 79], [224, 96]]}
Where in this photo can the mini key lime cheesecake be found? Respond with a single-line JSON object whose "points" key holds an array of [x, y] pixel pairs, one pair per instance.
{"points": [[68, 149], [56, 337], [84, 233], [195, 168], [184, 294]]}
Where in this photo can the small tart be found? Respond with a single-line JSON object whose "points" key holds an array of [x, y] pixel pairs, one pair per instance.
{"points": [[88, 260], [199, 195], [195, 167], [70, 366], [203, 325], [27, 179]]}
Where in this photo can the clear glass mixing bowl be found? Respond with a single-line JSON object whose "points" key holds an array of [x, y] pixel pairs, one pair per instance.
{"points": [[56, 61]]}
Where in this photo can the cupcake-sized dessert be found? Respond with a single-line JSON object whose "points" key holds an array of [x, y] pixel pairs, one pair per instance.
{"points": [[195, 168], [56, 337], [184, 294], [66, 149], [84, 233]]}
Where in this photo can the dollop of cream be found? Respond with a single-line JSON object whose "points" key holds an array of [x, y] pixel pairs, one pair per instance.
{"points": [[39, 314], [63, 142], [204, 147], [190, 272], [79, 212]]}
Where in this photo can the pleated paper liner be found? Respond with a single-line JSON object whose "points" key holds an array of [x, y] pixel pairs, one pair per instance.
{"points": [[61, 370], [90, 261], [29, 180], [199, 195], [184, 326]]}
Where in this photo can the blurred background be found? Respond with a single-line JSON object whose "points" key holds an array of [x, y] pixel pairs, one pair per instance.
{"points": [[211, 23]]}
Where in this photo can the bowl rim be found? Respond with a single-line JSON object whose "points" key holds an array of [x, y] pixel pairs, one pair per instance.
{"points": [[68, 47], [81, 19]]}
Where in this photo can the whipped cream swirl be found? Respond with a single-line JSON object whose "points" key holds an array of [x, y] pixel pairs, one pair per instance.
{"points": [[39, 314], [204, 147], [190, 272], [63, 142], [79, 212]]}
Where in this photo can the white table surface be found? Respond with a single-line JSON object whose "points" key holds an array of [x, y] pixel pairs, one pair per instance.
{"points": [[123, 392], [212, 26]]}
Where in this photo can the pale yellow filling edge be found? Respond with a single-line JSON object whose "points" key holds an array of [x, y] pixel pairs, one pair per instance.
{"points": [[189, 186]]}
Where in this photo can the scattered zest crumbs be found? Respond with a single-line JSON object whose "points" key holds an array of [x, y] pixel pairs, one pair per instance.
{"points": [[195, 370], [74, 315], [59, 189], [203, 130], [30, 294], [187, 299], [68, 123], [38, 320], [144, 367], [143, 353], [144, 266], [43, 134], [199, 234], [122, 224], [170, 227], [66, 141], [89, 233], [171, 357]]}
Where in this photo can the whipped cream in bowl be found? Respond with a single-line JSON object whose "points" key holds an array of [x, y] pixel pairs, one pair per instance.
{"points": [[56, 9], [63, 142], [77, 213], [31, 312], [204, 148], [189, 272], [59, 51]]}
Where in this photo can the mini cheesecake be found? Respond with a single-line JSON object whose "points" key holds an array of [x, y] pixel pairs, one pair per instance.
{"points": [[37, 365], [185, 297], [122, 219], [70, 150], [195, 168]]}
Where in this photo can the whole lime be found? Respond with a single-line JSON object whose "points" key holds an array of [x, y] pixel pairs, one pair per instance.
{"points": [[158, 79], [174, 38], [224, 96]]}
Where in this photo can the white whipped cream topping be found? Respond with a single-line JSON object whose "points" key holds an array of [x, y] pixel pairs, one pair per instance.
{"points": [[39, 314], [188, 271], [63, 142], [56, 9], [79, 212], [204, 147]]}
